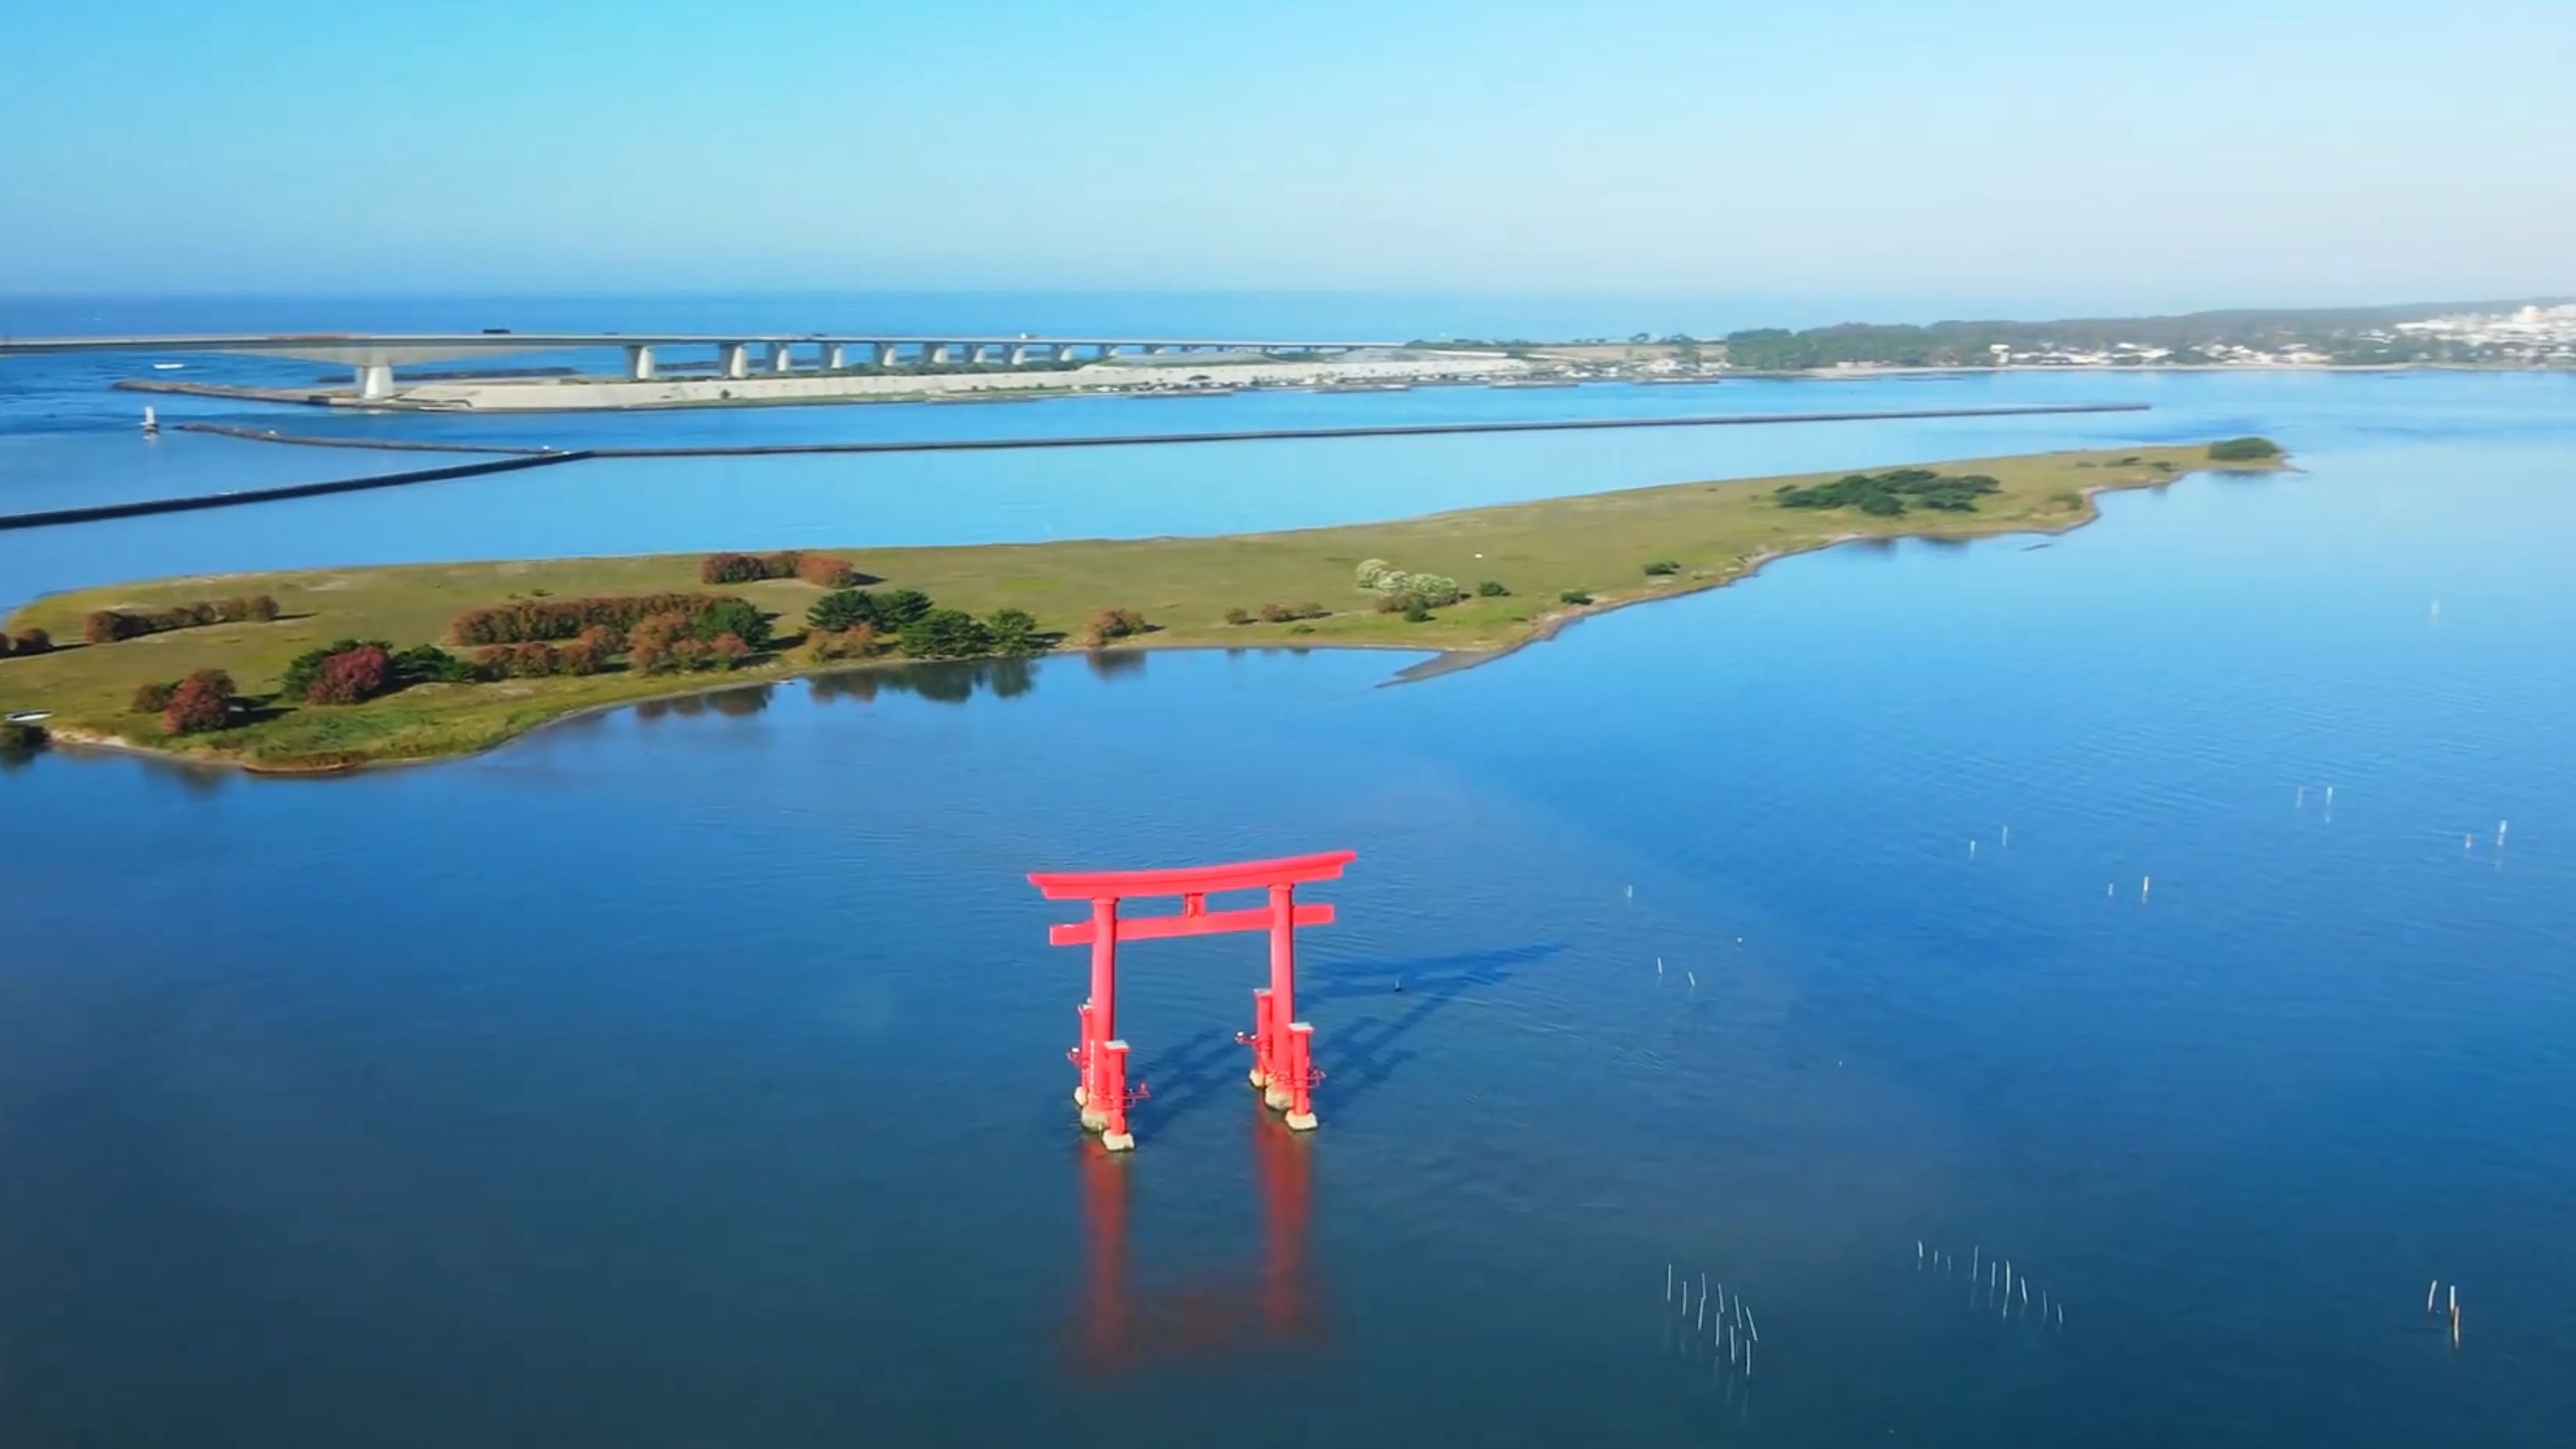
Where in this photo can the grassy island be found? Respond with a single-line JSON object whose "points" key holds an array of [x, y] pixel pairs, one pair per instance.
{"points": [[332, 668]]}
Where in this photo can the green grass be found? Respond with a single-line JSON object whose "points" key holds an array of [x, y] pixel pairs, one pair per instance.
{"points": [[1596, 544]]}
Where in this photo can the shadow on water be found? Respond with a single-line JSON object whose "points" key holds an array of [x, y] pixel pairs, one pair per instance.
{"points": [[1185, 1077], [740, 702], [1365, 1053], [946, 682]]}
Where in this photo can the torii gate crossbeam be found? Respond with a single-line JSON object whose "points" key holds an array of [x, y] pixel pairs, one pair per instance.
{"points": [[1283, 1056]]}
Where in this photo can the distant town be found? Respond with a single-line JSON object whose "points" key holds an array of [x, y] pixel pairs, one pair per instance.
{"points": [[2521, 334]]}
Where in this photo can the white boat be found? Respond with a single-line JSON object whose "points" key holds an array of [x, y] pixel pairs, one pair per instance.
{"points": [[168, 366]]}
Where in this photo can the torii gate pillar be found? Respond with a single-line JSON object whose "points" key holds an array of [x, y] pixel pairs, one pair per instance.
{"points": [[1283, 1061]]}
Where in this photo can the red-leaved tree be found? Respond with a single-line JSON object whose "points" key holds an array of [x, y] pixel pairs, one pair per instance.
{"points": [[352, 676]]}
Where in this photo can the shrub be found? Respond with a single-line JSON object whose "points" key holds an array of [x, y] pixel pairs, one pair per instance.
{"points": [[1416, 613], [830, 573], [220, 681], [1301, 628], [151, 698], [525, 619], [1238, 615], [1116, 623], [730, 568], [1662, 567], [859, 641], [1885, 495], [429, 664], [1372, 570], [2244, 450], [652, 644], [605, 639], [17, 737], [1396, 603], [945, 634], [1574, 596], [727, 651], [195, 708], [532, 660], [1014, 632], [304, 668], [4, 646], [1286, 613], [106, 626], [745, 623], [580, 657], [32, 641], [351, 676], [1435, 590], [1492, 589]]}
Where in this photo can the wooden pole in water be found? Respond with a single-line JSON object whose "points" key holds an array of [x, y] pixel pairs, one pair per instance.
{"points": [[2431, 1290], [1668, 1282]]}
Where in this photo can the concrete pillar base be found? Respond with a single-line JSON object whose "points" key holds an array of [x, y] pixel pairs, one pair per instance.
{"points": [[1256, 1077], [1082, 1096], [1093, 1121], [1118, 1141], [1277, 1098], [1301, 1121]]}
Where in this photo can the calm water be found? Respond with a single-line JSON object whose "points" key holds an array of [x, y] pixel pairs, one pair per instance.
{"points": [[695, 1075]]}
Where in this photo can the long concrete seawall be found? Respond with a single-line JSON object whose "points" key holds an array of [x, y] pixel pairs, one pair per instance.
{"points": [[97, 512], [508, 459]]}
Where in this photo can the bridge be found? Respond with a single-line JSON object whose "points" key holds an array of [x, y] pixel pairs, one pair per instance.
{"points": [[372, 356]]}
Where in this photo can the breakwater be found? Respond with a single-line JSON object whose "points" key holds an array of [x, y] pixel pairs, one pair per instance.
{"points": [[507, 457], [1230, 435], [140, 508]]}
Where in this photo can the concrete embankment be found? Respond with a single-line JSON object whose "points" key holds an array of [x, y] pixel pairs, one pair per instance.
{"points": [[96, 512]]}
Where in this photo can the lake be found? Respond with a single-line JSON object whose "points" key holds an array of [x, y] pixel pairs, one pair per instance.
{"points": [[694, 1073]]}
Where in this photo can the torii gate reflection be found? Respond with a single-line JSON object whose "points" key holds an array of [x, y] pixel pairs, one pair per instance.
{"points": [[1283, 1065], [1120, 1329]]}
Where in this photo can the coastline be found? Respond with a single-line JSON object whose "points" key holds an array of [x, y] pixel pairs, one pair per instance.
{"points": [[2049, 494]]}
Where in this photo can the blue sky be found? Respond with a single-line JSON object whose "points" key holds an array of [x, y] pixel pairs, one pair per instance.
{"points": [[2066, 154]]}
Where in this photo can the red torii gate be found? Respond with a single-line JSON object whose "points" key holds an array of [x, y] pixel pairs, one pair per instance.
{"points": [[1283, 1057]]}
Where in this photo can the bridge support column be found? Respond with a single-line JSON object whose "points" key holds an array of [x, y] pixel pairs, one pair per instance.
{"points": [[1064, 352], [835, 356], [782, 357], [1108, 351], [934, 354], [1155, 349], [639, 364], [885, 354], [375, 380], [979, 354], [733, 359], [1019, 355]]}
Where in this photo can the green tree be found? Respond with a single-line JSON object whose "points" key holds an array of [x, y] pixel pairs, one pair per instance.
{"points": [[743, 621], [844, 609], [1014, 632], [945, 634], [899, 607]]}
